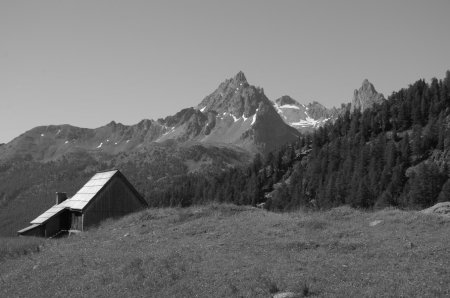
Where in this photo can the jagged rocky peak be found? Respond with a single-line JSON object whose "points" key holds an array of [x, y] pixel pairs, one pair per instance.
{"points": [[286, 100], [115, 125], [234, 96], [240, 78], [365, 97], [145, 124]]}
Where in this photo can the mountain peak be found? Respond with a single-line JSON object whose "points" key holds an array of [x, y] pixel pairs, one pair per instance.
{"points": [[240, 78], [366, 85], [286, 100], [234, 96], [365, 97]]}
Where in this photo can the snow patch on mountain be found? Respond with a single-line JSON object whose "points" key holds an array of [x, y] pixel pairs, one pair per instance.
{"points": [[288, 107], [254, 119], [309, 122]]}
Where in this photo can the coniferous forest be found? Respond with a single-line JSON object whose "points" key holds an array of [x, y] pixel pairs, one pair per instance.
{"points": [[394, 154]]}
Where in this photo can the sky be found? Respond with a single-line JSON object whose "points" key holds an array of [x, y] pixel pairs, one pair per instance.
{"points": [[88, 62]]}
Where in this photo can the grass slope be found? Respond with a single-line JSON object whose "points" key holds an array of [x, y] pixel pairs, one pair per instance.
{"points": [[229, 251]]}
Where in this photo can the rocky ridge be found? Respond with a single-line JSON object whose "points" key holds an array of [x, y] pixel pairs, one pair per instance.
{"points": [[237, 114]]}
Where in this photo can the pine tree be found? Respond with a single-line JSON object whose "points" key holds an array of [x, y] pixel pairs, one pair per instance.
{"points": [[363, 194], [442, 132], [405, 152], [417, 146], [444, 195], [425, 185], [257, 163]]}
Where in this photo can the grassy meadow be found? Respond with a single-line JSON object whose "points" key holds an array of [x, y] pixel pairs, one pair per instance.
{"points": [[233, 251]]}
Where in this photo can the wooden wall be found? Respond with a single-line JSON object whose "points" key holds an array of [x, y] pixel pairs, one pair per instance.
{"points": [[77, 221], [57, 223], [113, 201]]}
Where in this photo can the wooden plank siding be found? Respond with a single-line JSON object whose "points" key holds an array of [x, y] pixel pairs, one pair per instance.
{"points": [[77, 221], [114, 200], [57, 223]]}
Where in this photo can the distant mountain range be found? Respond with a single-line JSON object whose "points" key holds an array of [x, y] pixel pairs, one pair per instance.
{"points": [[235, 115]]}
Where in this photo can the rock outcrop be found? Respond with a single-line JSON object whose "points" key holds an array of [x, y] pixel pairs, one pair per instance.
{"points": [[365, 97]]}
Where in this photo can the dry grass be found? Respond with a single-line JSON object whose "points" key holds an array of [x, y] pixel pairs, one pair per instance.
{"points": [[230, 251]]}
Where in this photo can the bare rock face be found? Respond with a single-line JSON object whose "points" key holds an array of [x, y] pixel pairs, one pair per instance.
{"points": [[286, 100], [234, 96], [242, 115], [318, 111], [365, 97]]}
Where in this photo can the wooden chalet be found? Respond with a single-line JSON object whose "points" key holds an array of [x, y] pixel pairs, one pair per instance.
{"points": [[105, 195]]}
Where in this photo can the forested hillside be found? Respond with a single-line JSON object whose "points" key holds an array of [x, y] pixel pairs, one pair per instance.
{"points": [[394, 154]]}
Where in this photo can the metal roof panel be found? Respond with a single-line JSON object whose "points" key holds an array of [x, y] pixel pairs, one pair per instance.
{"points": [[79, 197], [78, 205], [90, 189], [97, 182], [104, 175], [47, 214]]}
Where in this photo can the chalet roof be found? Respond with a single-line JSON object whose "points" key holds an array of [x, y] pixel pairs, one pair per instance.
{"points": [[80, 199], [47, 214], [27, 229], [88, 191]]}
